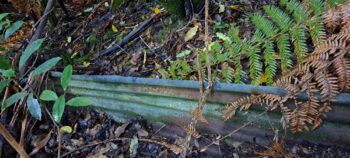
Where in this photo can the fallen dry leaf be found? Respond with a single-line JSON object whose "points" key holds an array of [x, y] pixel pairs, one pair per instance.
{"points": [[120, 130], [26, 6], [191, 33], [40, 143]]}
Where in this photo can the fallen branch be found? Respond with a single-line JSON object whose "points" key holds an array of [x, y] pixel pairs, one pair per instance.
{"points": [[39, 29], [133, 34], [233, 132], [12, 141]]}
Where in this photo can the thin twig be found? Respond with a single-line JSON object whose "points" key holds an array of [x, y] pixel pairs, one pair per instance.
{"points": [[12, 141], [233, 132], [50, 5], [206, 37], [59, 139]]}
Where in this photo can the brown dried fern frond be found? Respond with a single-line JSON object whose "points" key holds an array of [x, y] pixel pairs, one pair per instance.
{"points": [[324, 73], [337, 17]]}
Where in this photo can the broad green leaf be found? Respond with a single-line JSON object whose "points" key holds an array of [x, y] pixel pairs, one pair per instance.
{"points": [[34, 107], [58, 109], [8, 73], [48, 95], [31, 48], [14, 27], [46, 66], [3, 15], [79, 101], [115, 4], [183, 53], [3, 84], [66, 76], [4, 63], [13, 99]]}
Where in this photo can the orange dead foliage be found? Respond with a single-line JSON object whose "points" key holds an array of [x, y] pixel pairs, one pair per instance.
{"points": [[25, 7]]}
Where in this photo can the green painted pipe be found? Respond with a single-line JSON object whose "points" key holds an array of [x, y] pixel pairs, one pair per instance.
{"points": [[169, 101]]}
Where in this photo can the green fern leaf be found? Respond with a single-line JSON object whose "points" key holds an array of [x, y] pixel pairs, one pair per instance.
{"points": [[265, 25], [256, 66], [281, 18], [270, 62], [316, 6], [235, 52], [334, 3], [227, 73], [283, 46], [317, 30], [297, 34], [253, 52], [234, 35], [297, 10], [164, 74]]}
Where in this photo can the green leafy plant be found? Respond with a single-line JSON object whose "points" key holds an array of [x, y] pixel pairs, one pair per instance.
{"points": [[8, 76], [60, 102], [7, 27], [279, 41], [223, 62]]}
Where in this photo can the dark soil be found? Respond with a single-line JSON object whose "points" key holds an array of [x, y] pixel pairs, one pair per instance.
{"points": [[95, 134]]}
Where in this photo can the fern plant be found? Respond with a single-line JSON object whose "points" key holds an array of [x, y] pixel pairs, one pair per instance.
{"points": [[280, 40], [324, 73]]}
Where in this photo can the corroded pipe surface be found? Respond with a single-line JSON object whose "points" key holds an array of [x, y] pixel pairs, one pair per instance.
{"points": [[172, 102]]}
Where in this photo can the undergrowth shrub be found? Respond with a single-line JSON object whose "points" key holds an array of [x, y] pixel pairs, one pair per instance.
{"points": [[283, 36], [322, 75]]}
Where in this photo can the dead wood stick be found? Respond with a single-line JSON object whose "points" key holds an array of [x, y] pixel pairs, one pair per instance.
{"points": [[133, 34], [232, 132], [12, 141], [39, 29]]}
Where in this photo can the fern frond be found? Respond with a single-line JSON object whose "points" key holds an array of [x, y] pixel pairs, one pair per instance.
{"points": [[227, 73], [297, 10], [316, 6], [270, 62], [298, 121], [255, 66], [328, 86], [311, 106], [334, 3], [234, 35], [279, 17], [254, 58], [326, 71], [342, 69], [332, 18], [234, 48], [263, 24], [283, 46], [164, 74], [317, 30], [337, 16], [299, 41]]}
